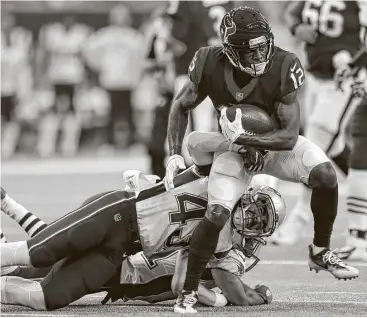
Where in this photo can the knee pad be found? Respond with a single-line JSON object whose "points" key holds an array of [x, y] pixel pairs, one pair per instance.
{"points": [[218, 215], [323, 176]]}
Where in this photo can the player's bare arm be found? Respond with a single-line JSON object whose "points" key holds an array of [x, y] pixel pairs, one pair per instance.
{"points": [[188, 98], [285, 138], [237, 292]]}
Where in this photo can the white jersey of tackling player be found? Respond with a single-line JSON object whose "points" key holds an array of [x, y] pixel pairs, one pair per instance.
{"points": [[166, 220], [138, 269]]}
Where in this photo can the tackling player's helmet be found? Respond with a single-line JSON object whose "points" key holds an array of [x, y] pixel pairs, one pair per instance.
{"points": [[246, 33], [259, 212]]}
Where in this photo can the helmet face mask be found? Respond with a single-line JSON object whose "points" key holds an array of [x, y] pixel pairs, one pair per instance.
{"points": [[258, 213], [247, 40]]}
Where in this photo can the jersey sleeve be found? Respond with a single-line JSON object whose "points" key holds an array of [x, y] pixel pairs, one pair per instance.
{"points": [[292, 74], [197, 66]]}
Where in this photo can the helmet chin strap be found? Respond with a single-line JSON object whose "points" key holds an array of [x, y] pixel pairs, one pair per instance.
{"points": [[252, 70]]}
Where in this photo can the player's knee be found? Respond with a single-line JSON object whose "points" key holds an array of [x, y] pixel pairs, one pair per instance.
{"points": [[218, 215], [194, 140], [323, 176], [75, 280]]}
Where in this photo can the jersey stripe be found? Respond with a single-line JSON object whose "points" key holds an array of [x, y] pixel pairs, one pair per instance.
{"points": [[185, 177]]}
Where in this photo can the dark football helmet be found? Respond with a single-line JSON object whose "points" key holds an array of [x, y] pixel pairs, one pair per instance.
{"points": [[247, 40]]}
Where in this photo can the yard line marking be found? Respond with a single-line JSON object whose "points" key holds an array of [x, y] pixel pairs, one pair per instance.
{"points": [[322, 301], [300, 263], [336, 292]]}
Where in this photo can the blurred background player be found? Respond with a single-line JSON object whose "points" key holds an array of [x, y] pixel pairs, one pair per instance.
{"points": [[356, 243], [330, 31], [16, 78], [162, 50], [60, 55], [196, 24], [116, 53], [181, 29]]}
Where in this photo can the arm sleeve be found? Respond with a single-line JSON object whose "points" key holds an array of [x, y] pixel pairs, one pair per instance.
{"points": [[292, 74], [197, 66]]}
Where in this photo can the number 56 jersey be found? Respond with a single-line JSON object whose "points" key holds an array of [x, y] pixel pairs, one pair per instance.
{"points": [[166, 220]]}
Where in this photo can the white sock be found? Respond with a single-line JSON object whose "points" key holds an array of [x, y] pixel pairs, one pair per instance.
{"points": [[317, 249], [24, 292], [14, 253], [27, 220], [357, 208]]}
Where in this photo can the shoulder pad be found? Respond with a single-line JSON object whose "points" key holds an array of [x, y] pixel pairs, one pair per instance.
{"points": [[197, 65], [292, 75]]}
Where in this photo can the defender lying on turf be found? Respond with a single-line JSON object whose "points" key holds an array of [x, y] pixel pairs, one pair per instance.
{"points": [[86, 246]]}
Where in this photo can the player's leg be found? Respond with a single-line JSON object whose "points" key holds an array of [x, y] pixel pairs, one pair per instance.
{"points": [[308, 164], [205, 295], [201, 146], [356, 244], [69, 280], [27, 220], [227, 182], [329, 135], [76, 232], [154, 291]]}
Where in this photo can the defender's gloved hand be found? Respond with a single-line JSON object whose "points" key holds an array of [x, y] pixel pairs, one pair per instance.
{"points": [[253, 158], [265, 293], [175, 163]]}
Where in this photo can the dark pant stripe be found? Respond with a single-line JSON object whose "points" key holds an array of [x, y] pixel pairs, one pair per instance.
{"points": [[25, 218], [30, 225]]}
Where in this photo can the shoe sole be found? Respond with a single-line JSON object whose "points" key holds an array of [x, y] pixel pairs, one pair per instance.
{"points": [[183, 311], [317, 268]]}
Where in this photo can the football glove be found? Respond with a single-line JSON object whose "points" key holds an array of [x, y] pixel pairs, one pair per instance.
{"points": [[231, 130], [265, 293], [175, 163], [359, 88], [341, 75], [253, 159]]}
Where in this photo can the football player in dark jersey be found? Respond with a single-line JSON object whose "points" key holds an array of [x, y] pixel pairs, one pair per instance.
{"points": [[331, 33], [248, 68], [356, 243], [196, 24]]}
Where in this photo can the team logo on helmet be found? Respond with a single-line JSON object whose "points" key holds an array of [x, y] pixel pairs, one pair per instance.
{"points": [[229, 27]]}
